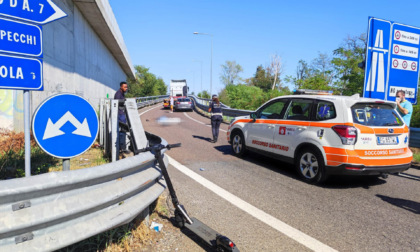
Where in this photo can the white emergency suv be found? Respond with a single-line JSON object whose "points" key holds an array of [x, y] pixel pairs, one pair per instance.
{"points": [[325, 135]]}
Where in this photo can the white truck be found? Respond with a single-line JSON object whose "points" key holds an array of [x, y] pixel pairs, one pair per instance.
{"points": [[178, 88]]}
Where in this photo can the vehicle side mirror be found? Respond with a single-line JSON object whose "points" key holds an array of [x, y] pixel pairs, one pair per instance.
{"points": [[253, 116]]}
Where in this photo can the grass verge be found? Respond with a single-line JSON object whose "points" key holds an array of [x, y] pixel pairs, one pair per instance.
{"points": [[134, 236]]}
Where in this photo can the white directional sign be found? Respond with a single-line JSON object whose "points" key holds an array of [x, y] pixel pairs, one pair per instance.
{"points": [[65, 125], [392, 59]]}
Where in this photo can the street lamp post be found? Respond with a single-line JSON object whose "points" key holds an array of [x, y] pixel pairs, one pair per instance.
{"points": [[201, 69], [211, 58]]}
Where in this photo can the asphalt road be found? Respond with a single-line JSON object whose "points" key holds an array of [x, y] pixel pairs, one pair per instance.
{"points": [[263, 206]]}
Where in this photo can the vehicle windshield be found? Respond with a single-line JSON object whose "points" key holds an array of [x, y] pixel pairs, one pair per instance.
{"points": [[374, 114]]}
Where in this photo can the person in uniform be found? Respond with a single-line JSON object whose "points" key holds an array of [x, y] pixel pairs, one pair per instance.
{"points": [[215, 109], [120, 95]]}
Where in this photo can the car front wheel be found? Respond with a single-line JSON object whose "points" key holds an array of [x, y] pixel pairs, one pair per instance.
{"points": [[310, 166], [238, 144]]}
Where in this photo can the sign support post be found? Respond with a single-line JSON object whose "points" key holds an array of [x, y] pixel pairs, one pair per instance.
{"points": [[27, 131], [66, 164]]}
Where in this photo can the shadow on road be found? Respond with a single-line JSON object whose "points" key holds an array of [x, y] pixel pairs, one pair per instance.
{"points": [[345, 182], [286, 169], [224, 149], [402, 203], [203, 138], [408, 176]]}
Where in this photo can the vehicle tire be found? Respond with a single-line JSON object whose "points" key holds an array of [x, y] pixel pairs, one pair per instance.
{"points": [[310, 166], [238, 144]]}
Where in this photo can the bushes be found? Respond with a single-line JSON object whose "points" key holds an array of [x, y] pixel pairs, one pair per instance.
{"points": [[247, 97], [12, 156]]}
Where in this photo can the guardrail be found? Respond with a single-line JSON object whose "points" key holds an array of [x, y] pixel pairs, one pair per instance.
{"points": [[228, 112], [54, 210], [203, 104]]}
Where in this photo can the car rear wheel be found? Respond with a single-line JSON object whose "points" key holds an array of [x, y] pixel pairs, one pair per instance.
{"points": [[238, 143], [310, 166]]}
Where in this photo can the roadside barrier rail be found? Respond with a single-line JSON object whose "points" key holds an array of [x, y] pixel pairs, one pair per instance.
{"points": [[53, 210]]}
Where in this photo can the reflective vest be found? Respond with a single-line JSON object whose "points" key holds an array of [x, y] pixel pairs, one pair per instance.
{"points": [[216, 109]]}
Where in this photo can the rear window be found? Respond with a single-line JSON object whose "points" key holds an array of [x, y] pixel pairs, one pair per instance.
{"points": [[184, 100], [375, 115]]}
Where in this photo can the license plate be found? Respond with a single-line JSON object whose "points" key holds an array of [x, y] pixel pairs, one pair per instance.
{"points": [[388, 140]]}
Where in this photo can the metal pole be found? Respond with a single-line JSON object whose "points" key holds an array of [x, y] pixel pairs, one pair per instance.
{"points": [[27, 131], [66, 164], [211, 66], [201, 64]]}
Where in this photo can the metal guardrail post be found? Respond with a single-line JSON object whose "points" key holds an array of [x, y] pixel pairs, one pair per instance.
{"points": [[101, 121], [414, 140], [115, 147]]}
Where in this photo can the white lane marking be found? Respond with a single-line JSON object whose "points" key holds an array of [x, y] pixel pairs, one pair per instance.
{"points": [[149, 109], [271, 221], [200, 122]]}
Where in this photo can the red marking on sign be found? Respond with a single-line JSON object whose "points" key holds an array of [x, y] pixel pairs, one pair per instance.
{"points": [[404, 64], [397, 35], [414, 66], [282, 130], [395, 63], [396, 49]]}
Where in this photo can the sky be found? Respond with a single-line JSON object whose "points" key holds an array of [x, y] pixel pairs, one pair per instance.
{"points": [[159, 33]]}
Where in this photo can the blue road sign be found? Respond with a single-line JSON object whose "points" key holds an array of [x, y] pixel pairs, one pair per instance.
{"points": [[20, 38], [35, 11], [65, 125], [20, 73], [392, 59]]}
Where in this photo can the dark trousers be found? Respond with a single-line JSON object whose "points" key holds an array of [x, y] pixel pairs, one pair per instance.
{"points": [[215, 125], [122, 136]]}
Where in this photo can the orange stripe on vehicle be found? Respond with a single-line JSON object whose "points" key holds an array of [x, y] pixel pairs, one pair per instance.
{"points": [[334, 150], [242, 120], [377, 152], [364, 129], [333, 163], [406, 129], [336, 158], [328, 125], [385, 130]]}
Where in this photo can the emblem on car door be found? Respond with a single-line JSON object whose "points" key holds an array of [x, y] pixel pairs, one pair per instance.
{"points": [[320, 133]]}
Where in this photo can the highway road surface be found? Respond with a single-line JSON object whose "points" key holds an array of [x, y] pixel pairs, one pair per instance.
{"points": [[261, 204]]}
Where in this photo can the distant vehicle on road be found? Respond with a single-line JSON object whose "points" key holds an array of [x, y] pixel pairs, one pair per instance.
{"points": [[166, 104], [324, 135], [183, 104], [178, 89]]}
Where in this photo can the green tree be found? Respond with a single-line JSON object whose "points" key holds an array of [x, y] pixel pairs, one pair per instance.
{"points": [[230, 73], [349, 76], [317, 76], [415, 117], [145, 84], [302, 72], [204, 94], [248, 97], [262, 79]]}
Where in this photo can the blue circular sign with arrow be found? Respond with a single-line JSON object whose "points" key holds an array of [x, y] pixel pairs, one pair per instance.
{"points": [[65, 125]]}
